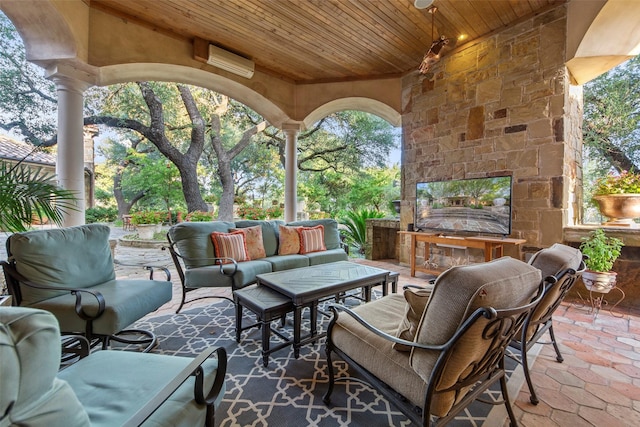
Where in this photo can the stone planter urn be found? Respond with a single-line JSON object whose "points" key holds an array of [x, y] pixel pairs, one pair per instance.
{"points": [[620, 208], [146, 231], [596, 281]]}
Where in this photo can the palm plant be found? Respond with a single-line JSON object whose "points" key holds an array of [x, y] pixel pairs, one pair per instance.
{"points": [[356, 227], [30, 192]]}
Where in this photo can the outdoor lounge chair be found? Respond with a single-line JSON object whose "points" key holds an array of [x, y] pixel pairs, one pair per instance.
{"points": [[70, 272], [104, 389], [560, 266], [458, 343]]}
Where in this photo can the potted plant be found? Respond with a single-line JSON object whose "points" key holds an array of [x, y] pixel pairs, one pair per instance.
{"points": [[601, 251], [145, 222], [618, 197]]}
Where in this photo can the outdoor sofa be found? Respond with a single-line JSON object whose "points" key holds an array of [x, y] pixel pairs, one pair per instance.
{"points": [[270, 246]]}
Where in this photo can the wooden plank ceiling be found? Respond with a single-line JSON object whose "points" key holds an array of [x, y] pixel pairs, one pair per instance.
{"points": [[325, 40]]}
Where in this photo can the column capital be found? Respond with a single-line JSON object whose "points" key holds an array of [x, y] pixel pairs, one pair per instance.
{"points": [[292, 127], [76, 77]]}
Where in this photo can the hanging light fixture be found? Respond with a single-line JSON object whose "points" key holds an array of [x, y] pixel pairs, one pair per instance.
{"points": [[433, 54]]}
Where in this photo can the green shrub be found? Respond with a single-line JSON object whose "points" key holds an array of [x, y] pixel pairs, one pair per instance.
{"points": [[146, 217], [356, 227], [200, 216], [100, 214]]}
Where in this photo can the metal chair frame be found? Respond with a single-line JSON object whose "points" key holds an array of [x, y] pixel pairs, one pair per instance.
{"points": [[501, 327]]}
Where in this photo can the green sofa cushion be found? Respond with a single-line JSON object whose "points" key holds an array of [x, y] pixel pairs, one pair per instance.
{"points": [[287, 262], [30, 357], [193, 240], [210, 276], [324, 257], [61, 258], [112, 385], [126, 301]]}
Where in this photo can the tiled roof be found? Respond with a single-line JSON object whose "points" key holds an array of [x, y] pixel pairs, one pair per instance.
{"points": [[10, 149]]}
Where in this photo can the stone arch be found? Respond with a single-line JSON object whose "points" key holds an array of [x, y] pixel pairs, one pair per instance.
{"points": [[182, 74], [46, 34], [367, 105]]}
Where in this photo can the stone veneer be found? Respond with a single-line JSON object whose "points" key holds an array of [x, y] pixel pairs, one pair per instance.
{"points": [[502, 105]]}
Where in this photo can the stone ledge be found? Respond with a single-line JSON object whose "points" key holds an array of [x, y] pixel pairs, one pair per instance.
{"points": [[630, 236]]}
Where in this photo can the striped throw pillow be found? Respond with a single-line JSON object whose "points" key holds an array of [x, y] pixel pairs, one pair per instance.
{"points": [[230, 245], [311, 239]]}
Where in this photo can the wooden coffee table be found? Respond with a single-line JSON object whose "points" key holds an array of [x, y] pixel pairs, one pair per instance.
{"points": [[307, 285]]}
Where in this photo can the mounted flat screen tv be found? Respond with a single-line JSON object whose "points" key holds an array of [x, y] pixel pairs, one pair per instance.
{"points": [[477, 205]]}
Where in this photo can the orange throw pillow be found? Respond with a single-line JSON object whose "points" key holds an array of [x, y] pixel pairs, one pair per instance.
{"points": [[289, 241], [253, 240], [311, 239], [230, 245]]}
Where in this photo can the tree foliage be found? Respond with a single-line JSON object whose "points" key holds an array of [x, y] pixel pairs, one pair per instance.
{"points": [[28, 102], [611, 127]]}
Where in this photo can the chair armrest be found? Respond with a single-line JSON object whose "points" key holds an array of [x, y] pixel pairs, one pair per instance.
{"points": [[150, 268], [216, 260], [194, 368], [78, 292], [74, 347]]}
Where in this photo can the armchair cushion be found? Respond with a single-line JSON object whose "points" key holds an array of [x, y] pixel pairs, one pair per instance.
{"points": [[556, 259], [119, 395], [61, 258], [374, 352], [30, 354], [417, 300], [552, 261], [128, 300]]}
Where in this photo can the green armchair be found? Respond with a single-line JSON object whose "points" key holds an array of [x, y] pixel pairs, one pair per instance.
{"points": [[70, 273], [106, 388]]}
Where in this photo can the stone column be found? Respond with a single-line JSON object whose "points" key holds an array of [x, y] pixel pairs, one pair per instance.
{"points": [[70, 162], [291, 170]]}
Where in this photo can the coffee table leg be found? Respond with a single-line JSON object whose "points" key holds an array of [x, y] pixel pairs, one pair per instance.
{"points": [[297, 321], [313, 317], [238, 320], [266, 337]]}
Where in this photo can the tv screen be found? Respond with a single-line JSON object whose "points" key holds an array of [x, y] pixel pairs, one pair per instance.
{"points": [[477, 205]]}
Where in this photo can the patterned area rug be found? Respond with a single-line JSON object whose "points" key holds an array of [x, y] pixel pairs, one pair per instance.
{"points": [[289, 391]]}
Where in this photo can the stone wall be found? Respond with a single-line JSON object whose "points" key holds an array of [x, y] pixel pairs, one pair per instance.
{"points": [[382, 239], [500, 106]]}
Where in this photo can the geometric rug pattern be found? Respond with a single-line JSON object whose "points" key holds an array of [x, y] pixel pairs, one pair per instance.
{"points": [[288, 392]]}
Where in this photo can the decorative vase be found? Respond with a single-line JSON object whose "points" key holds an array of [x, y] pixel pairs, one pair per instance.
{"points": [[596, 281], [620, 208], [146, 231]]}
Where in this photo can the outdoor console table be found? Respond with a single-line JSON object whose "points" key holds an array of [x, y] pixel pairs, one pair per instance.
{"points": [[488, 244], [306, 286]]}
